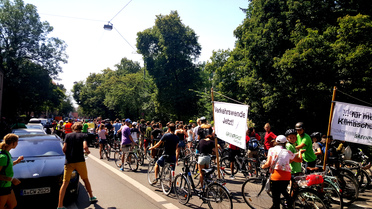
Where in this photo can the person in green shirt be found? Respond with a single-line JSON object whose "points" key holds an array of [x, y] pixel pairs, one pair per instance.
{"points": [[291, 134], [7, 196], [85, 126], [304, 142]]}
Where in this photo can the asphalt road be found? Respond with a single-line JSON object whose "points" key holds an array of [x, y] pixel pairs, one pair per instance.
{"points": [[116, 189]]}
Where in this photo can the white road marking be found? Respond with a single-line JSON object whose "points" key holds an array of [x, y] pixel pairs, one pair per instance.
{"points": [[136, 184]]}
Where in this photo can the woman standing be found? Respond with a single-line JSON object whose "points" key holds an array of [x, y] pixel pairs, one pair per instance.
{"points": [[7, 196], [206, 147], [281, 174], [182, 134], [102, 133], [269, 137]]}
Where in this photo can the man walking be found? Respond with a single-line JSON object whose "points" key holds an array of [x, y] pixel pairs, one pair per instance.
{"points": [[74, 147]]}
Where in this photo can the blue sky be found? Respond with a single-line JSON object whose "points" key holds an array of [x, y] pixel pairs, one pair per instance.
{"points": [[91, 48]]}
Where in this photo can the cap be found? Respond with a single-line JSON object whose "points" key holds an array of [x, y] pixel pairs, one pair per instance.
{"points": [[134, 123], [203, 118], [299, 125], [281, 139], [128, 120]]}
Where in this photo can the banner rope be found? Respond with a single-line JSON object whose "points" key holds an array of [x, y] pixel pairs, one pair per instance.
{"points": [[354, 97], [230, 98]]}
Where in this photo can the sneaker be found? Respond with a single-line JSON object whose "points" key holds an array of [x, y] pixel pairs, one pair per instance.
{"points": [[62, 208], [155, 181], [121, 169], [232, 177], [93, 199]]}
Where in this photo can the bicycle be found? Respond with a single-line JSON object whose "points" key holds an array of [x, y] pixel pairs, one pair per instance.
{"points": [[131, 160], [140, 154], [241, 164], [194, 168], [106, 151], [255, 195], [166, 175], [213, 193], [330, 189]]}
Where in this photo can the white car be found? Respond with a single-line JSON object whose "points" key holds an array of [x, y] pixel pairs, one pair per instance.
{"points": [[35, 126], [27, 131]]}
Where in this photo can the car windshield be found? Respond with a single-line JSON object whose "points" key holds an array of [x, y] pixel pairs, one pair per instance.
{"points": [[34, 126], [37, 148]]}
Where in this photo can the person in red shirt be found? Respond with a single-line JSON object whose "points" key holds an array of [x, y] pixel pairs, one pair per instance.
{"points": [[269, 138], [68, 127]]}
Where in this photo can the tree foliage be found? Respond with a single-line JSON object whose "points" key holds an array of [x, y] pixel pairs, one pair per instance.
{"points": [[168, 49], [30, 59], [289, 55], [119, 93]]}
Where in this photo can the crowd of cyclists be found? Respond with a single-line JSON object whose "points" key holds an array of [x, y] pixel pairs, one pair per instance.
{"points": [[294, 153]]}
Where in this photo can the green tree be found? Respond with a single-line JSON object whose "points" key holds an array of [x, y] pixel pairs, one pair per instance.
{"points": [[24, 40], [289, 55], [168, 49]]}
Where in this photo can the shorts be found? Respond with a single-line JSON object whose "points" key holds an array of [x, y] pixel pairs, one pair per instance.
{"points": [[170, 159], [204, 160], [147, 142], [181, 144], [5, 191], [252, 153], [232, 154], [102, 141], [126, 147], [80, 167], [190, 139]]}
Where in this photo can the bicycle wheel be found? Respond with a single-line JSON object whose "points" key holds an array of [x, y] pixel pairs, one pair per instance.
{"points": [[182, 189], [349, 187], [117, 158], [103, 152], [254, 194], [218, 196], [308, 199], [141, 157], [332, 196], [166, 179], [132, 161], [108, 151], [151, 172], [195, 174], [225, 162], [366, 180]]}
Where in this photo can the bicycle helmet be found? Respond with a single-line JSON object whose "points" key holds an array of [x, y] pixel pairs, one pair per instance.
{"points": [[317, 135], [299, 125], [290, 131]]}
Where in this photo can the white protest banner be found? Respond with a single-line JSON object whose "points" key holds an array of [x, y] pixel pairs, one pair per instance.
{"points": [[230, 122], [352, 123]]}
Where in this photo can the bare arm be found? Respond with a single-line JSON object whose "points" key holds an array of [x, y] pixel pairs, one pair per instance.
{"points": [[302, 145]]}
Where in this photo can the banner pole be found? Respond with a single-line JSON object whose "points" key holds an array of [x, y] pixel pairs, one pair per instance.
{"points": [[329, 127], [215, 138]]}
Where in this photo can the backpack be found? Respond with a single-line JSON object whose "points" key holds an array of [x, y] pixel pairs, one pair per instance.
{"points": [[253, 144], [322, 147], [143, 128]]}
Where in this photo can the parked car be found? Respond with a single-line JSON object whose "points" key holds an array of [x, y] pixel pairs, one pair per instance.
{"points": [[28, 131], [41, 172], [35, 126]]}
